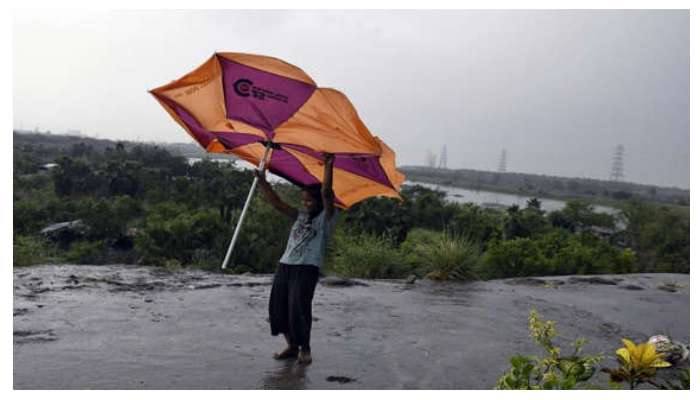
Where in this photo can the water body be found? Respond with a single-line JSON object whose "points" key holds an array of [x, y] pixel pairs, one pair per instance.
{"points": [[496, 200]]}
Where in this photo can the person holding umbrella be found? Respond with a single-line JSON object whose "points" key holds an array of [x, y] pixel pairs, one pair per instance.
{"points": [[298, 270], [271, 114]]}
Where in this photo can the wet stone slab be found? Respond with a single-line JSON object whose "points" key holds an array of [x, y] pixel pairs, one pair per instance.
{"points": [[128, 327]]}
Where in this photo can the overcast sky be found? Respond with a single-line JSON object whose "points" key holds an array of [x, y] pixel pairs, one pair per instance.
{"points": [[556, 89]]}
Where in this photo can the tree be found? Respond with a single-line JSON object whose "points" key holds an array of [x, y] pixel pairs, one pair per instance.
{"points": [[74, 177]]}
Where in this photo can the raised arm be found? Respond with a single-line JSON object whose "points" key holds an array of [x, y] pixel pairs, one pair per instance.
{"points": [[327, 185], [273, 198]]}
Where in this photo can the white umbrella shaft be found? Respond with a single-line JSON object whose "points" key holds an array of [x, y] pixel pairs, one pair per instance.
{"points": [[261, 166]]}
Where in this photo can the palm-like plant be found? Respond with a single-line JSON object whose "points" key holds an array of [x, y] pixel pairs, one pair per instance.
{"points": [[451, 257]]}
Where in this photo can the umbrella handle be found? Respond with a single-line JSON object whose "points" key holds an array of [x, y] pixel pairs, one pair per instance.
{"points": [[261, 167]]}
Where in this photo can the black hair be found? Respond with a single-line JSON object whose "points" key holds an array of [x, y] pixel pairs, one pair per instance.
{"points": [[315, 191]]}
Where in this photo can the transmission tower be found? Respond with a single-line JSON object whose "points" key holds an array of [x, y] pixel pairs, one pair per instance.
{"points": [[442, 164], [617, 171], [503, 161]]}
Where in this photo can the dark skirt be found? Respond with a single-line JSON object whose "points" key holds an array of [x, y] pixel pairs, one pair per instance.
{"points": [[290, 302]]}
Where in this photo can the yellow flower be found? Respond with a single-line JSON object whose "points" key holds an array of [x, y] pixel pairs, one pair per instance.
{"points": [[640, 357]]}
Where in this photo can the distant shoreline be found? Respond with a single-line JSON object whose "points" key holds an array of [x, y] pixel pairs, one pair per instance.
{"points": [[607, 193]]}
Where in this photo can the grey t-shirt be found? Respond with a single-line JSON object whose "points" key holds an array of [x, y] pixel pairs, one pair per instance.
{"points": [[307, 240]]}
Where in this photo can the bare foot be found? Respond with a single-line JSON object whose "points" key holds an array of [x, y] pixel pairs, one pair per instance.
{"points": [[304, 357], [289, 352]]}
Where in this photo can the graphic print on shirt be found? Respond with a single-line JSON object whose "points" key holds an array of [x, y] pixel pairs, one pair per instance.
{"points": [[302, 235]]}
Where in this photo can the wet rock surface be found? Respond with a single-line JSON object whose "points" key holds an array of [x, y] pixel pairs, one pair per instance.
{"points": [[127, 327]]}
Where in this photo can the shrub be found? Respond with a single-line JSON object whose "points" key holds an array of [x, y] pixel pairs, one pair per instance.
{"points": [[553, 371], [527, 222], [108, 219], [85, 252], [381, 216], [172, 232], [262, 240], [555, 253], [29, 216], [578, 215], [74, 177], [413, 247], [31, 250], [516, 257], [363, 255], [660, 235], [441, 255], [588, 254], [476, 223]]}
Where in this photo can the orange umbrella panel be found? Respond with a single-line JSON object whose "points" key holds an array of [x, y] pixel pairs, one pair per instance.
{"points": [[238, 103]]}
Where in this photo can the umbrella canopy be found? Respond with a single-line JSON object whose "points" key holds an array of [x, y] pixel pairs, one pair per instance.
{"points": [[239, 103]]}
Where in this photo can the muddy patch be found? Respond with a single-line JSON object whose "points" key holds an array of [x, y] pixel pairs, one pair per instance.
{"points": [[340, 379], [536, 282], [37, 336], [670, 287], [594, 280], [248, 284], [20, 311], [207, 286], [341, 282]]}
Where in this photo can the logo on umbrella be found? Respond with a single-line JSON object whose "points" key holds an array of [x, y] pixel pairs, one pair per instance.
{"points": [[242, 87]]}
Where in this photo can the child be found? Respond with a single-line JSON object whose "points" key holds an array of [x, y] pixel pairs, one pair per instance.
{"points": [[297, 273]]}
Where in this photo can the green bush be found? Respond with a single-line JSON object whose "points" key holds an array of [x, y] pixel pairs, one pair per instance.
{"points": [[588, 254], [29, 216], [476, 223], [555, 253], [381, 216], [527, 222], [516, 257], [175, 233], [413, 247], [31, 250], [107, 218], [553, 371], [441, 255], [363, 255], [578, 215], [74, 176], [87, 252], [263, 237], [660, 235]]}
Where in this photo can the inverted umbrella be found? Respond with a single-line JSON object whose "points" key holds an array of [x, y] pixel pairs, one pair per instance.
{"points": [[271, 114]]}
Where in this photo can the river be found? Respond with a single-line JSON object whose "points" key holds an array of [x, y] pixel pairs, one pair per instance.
{"points": [[499, 200]]}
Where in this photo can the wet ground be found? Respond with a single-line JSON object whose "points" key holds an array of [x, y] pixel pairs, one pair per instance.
{"points": [[125, 327]]}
